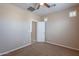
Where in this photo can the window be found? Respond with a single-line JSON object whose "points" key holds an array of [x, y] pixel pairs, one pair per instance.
{"points": [[72, 13]]}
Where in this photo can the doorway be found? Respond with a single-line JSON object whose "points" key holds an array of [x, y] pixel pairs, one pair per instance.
{"points": [[38, 32], [34, 32]]}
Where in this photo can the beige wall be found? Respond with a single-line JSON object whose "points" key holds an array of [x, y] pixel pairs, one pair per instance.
{"points": [[63, 30], [14, 27]]}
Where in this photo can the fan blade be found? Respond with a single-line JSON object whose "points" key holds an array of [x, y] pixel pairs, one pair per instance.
{"points": [[47, 5], [31, 9], [38, 6]]}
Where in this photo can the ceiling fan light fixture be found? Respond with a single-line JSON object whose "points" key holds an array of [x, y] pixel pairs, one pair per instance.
{"points": [[41, 3]]}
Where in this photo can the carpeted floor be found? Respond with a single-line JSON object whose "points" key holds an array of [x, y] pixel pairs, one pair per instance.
{"points": [[43, 49]]}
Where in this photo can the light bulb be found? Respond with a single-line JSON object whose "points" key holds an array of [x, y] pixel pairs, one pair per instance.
{"points": [[41, 3]]}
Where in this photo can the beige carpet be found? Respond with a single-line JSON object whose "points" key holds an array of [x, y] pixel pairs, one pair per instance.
{"points": [[44, 49]]}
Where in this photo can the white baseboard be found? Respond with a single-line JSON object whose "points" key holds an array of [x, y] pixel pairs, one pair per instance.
{"points": [[15, 49], [64, 46]]}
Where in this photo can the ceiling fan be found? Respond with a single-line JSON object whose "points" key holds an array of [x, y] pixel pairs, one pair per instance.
{"points": [[36, 6]]}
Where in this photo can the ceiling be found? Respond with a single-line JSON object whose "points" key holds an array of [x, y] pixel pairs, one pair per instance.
{"points": [[44, 10]]}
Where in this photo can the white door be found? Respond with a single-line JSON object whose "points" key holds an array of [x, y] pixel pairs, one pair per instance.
{"points": [[41, 32]]}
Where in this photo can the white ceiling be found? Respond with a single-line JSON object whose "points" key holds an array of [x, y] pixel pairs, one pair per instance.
{"points": [[44, 10]]}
